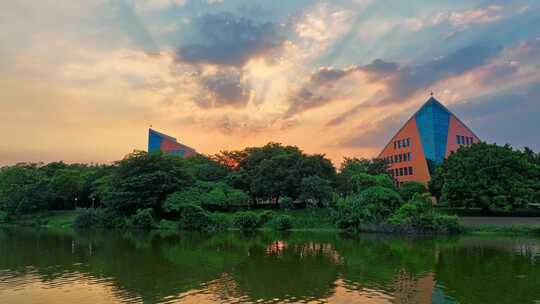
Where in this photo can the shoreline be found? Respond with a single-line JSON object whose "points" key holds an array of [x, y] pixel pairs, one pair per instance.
{"points": [[65, 220]]}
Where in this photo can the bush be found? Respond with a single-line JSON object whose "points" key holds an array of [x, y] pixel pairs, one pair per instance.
{"points": [[419, 215], [195, 218], [282, 222], [143, 219], [286, 203], [408, 189], [372, 206], [99, 218], [265, 217], [246, 220], [88, 218]]}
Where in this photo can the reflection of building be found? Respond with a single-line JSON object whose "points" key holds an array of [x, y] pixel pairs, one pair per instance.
{"points": [[425, 140], [160, 142]]}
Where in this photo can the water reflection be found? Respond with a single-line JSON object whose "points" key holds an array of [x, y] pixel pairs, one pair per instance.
{"points": [[39, 266]]}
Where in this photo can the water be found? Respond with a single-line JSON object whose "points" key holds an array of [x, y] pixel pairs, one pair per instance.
{"points": [[38, 266]]}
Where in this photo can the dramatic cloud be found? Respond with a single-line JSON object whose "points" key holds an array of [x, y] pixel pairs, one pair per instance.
{"points": [[230, 40], [224, 88], [373, 135], [411, 79], [320, 89]]}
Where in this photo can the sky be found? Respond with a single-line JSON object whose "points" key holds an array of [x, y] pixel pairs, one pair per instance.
{"points": [[82, 81]]}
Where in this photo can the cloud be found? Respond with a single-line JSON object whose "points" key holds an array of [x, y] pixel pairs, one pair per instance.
{"points": [[507, 116], [411, 79], [463, 19], [373, 134], [321, 87], [228, 40], [223, 88]]}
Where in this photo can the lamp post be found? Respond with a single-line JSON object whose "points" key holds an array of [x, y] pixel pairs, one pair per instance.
{"points": [[93, 202], [75, 203]]}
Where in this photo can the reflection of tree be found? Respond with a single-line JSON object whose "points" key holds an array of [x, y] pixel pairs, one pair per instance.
{"points": [[480, 270]]}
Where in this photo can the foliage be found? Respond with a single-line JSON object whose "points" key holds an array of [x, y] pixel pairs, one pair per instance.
{"points": [[195, 218], [273, 171], [489, 177], [373, 205], [361, 181], [144, 180], [316, 191], [353, 166], [282, 222], [89, 218], [409, 189], [420, 215], [286, 203], [205, 194], [143, 219], [23, 189], [265, 217], [246, 220]]}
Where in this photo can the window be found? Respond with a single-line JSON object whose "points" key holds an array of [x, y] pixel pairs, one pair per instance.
{"points": [[395, 145], [400, 157], [400, 171], [410, 171], [395, 158], [458, 139], [405, 172]]}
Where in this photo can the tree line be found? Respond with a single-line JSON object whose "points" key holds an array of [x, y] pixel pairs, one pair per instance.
{"points": [[144, 185]]}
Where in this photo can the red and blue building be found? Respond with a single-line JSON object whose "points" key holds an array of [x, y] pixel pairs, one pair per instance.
{"points": [[158, 141], [426, 139]]}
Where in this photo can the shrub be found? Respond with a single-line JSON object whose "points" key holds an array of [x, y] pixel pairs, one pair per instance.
{"points": [[195, 218], [286, 203], [88, 218], [282, 222], [372, 206], [420, 215], [143, 219], [408, 189], [112, 219], [265, 217], [246, 220]]}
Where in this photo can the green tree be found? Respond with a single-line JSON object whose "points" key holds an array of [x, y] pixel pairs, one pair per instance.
{"points": [[316, 191], [143, 180], [353, 166], [361, 181], [487, 176], [67, 185], [23, 189], [409, 189]]}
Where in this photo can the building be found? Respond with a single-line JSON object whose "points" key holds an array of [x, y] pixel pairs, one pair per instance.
{"points": [[425, 140], [161, 142]]}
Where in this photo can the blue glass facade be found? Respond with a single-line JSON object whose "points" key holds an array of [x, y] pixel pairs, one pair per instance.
{"points": [[433, 121], [154, 141]]}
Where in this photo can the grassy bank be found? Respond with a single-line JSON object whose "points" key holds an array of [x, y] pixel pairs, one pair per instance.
{"points": [[302, 220]]}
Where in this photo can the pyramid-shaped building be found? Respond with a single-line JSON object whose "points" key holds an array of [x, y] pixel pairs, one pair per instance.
{"points": [[425, 140], [158, 141]]}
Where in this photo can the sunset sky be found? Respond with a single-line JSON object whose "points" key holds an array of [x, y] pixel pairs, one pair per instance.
{"points": [[81, 81]]}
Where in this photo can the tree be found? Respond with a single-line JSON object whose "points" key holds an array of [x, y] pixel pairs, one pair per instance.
{"points": [[143, 180], [316, 191], [23, 189], [361, 181], [487, 176], [67, 185], [354, 166], [409, 189]]}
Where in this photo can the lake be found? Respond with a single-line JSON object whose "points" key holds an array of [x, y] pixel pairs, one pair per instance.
{"points": [[43, 266]]}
